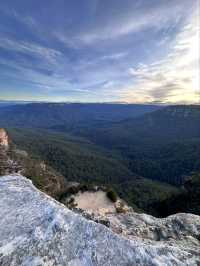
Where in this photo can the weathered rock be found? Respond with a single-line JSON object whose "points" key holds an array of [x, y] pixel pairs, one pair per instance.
{"points": [[181, 229], [4, 159], [37, 230], [3, 138], [7, 165]]}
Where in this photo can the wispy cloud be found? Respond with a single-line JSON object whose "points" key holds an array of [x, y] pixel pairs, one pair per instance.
{"points": [[26, 20], [33, 49], [93, 50], [136, 20], [115, 56], [176, 77]]}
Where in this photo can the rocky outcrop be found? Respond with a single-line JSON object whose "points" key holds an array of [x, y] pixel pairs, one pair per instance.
{"points": [[182, 230], [14, 160], [3, 138], [37, 230], [7, 164], [4, 159]]}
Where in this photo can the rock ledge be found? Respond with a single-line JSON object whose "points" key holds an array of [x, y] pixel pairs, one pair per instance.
{"points": [[37, 230]]}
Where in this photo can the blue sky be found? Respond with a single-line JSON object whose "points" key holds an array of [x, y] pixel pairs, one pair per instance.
{"points": [[140, 51]]}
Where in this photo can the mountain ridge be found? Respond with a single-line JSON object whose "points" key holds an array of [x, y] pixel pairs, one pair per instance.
{"points": [[52, 114]]}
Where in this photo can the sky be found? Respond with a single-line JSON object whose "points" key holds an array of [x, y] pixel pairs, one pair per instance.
{"points": [[135, 51]]}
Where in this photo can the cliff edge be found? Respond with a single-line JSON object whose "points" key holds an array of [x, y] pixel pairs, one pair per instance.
{"points": [[37, 230]]}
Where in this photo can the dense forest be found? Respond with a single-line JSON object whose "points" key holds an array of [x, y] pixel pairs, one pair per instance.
{"points": [[149, 155], [79, 160]]}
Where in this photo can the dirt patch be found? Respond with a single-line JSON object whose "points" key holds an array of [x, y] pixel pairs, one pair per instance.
{"points": [[94, 201]]}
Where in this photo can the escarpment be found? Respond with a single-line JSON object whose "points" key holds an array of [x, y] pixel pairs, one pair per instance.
{"points": [[7, 165], [14, 160], [3, 138]]}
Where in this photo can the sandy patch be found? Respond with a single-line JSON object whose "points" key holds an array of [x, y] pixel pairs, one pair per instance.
{"points": [[94, 201]]}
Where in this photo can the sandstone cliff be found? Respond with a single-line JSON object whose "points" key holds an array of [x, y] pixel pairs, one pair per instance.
{"points": [[14, 160], [3, 138], [37, 230]]}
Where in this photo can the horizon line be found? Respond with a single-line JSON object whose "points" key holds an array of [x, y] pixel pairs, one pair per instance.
{"points": [[103, 102]]}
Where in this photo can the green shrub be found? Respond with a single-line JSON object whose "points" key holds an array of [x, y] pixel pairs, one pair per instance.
{"points": [[112, 195]]}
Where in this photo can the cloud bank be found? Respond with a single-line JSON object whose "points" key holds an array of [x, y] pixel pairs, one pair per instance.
{"points": [[174, 79]]}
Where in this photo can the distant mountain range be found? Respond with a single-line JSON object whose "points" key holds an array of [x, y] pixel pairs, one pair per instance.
{"points": [[173, 123], [4, 103], [69, 115], [109, 123], [163, 144]]}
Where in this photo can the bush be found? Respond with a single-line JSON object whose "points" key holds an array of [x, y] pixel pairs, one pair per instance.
{"points": [[112, 195], [120, 208]]}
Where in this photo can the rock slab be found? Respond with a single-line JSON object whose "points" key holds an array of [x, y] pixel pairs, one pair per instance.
{"points": [[37, 230]]}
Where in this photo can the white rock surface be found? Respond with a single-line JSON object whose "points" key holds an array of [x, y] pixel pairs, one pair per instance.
{"points": [[181, 230], [37, 230]]}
